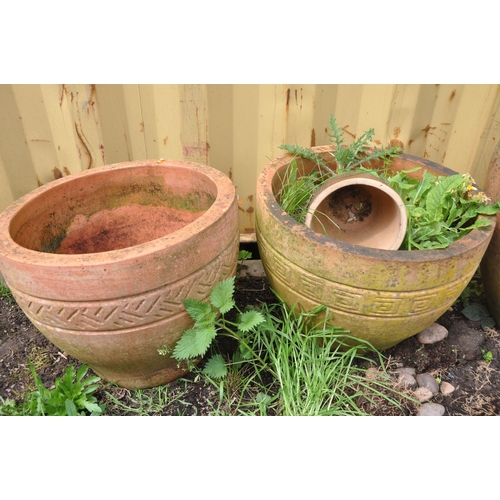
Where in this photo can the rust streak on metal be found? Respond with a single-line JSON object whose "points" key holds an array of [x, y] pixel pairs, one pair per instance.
{"points": [[57, 173], [346, 131], [452, 95], [313, 138], [427, 129], [61, 97], [287, 97], [81, 137]]}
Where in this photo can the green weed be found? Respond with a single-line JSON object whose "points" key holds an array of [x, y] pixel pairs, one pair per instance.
{"points": [[284, 364], [72, 396], [487, 356], [479, 312], [440, 209], [297, 190]]}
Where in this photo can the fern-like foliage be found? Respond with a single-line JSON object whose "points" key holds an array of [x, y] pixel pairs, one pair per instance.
{"points": [[297, 190], [347, 157]]}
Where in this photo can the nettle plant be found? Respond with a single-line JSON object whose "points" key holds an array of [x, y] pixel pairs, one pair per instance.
{"points": [[210, 320], [311, 367], [440, 209]]}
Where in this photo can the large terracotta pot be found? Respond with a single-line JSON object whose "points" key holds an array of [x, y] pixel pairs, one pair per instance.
{"points": [[383, 296], [490, 265], [115, 294]]}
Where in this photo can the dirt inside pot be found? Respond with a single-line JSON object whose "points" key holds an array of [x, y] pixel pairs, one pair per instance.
{"points": [[122, 227], [350, 204]]}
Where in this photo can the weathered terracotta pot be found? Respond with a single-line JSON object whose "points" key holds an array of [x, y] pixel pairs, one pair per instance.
{"points": [[490, 265], [360, 209], [383, 296], [117, 296]]}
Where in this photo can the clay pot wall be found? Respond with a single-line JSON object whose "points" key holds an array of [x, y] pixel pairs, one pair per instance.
{"points": [[114, 309]]}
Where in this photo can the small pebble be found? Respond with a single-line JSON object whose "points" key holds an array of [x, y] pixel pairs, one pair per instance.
{"points": [[432, 334], [428, 381], [422, 394], [409, 370], [407, 380], [446, 388], [431, 410], [375, 374]]}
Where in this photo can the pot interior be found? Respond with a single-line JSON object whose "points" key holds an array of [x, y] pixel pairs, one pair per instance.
{"points": [[112, 209], [400, 163]]}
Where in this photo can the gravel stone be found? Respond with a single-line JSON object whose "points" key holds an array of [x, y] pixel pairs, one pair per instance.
{"points": [[432, 334], [422, 394], [407, 369], [431, 410], [428, 381], [407, 380], [446, 388]]}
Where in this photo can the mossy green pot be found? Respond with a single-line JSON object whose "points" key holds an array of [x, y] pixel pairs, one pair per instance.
{"points": [[381, 296]]}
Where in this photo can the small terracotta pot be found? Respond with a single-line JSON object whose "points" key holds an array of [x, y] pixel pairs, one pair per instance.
{"points": [[490, 265], [113, 305], [382, 296], [360, 209]]}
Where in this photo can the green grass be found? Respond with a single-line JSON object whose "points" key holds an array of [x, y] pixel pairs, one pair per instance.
{"points": [[315, 372], [5, 292], [150, 402], [285, 363]]}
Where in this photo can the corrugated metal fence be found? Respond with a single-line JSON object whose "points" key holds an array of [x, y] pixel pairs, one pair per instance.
{"points": [[47, 131]]}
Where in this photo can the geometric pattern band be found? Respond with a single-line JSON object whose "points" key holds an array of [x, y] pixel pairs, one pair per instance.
{"points": [[355, 300], [128, 312]]}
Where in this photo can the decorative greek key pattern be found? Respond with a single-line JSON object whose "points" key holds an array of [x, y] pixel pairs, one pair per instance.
{"points": [[354, 300], [130, 312]]}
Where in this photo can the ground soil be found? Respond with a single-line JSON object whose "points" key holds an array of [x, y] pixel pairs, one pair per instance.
{"points": [[458, 359]]}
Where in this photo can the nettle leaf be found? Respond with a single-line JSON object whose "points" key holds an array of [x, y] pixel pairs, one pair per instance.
{"points": [[196, 309], [249, 320], [207, 320], [222, 295], [186, 347], [215, 367], [204, 337], [475, 312]]}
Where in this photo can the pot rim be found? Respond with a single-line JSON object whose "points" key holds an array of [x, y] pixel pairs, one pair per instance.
{"points": [[13, 251], [474, 238]]}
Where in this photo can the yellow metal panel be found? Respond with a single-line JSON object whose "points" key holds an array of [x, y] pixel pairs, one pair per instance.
{"points": [[51, 130], [122, 123]]}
